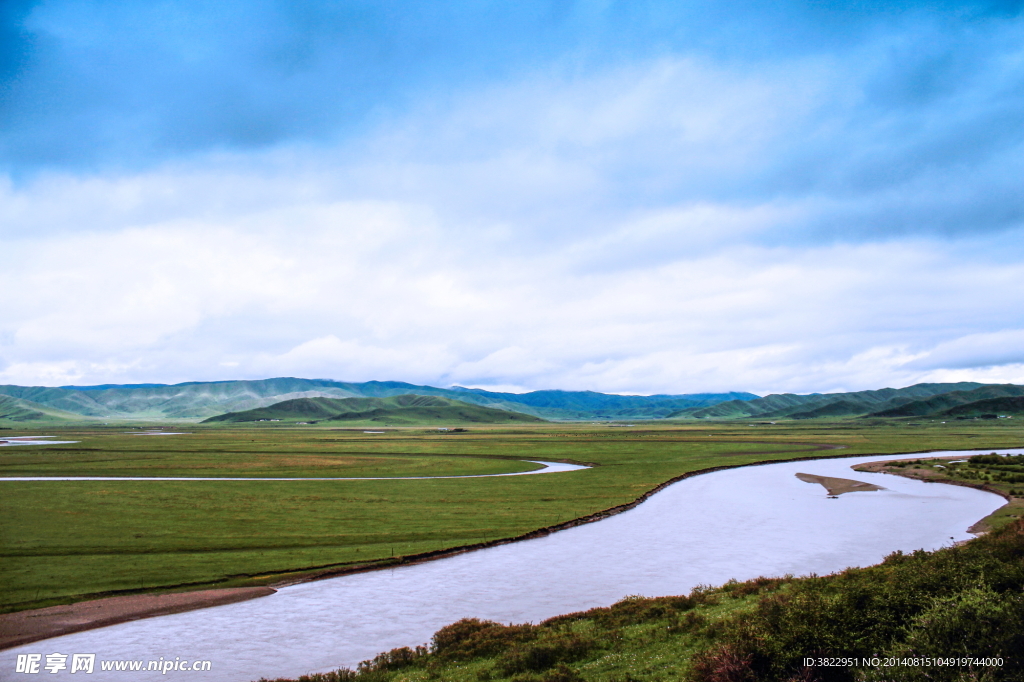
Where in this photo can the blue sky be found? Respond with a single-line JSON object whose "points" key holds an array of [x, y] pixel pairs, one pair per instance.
{"points": [[627, 197]]}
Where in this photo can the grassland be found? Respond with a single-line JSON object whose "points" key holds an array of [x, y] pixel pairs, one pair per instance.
{"points": [[68, 541]]}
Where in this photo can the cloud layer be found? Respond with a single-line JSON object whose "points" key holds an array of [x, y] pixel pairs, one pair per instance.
{"points": [[771, 198]]}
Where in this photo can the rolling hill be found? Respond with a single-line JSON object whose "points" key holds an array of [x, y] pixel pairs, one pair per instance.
{"points": [[885, 402], [16, 410], [194, 400], [395, 410], [942, 404], [1012, 406]]}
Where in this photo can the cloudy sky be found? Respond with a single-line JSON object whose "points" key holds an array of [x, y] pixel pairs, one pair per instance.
{"points": [[636, 197]]}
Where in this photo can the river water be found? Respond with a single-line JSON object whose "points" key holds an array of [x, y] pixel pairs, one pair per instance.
{"points": [[545, 468], [739, 523]]}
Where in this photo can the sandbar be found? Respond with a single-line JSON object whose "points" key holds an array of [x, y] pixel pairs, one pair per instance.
{"points": [[838, 486]]}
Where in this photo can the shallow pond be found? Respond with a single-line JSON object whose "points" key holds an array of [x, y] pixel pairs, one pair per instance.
{"points": [[32, 440], [739, 523]]}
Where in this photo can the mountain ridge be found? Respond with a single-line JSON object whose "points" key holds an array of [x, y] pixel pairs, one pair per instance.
{"points": [[199, 400], [399, 410], [942, 403], [856, 403]]}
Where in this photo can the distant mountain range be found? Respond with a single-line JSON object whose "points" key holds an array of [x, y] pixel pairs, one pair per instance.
{"points": [[914, 401], [394, 411], [200, 400]]}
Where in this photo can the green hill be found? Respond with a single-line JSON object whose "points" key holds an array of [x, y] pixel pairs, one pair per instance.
{"points": [[836, 408], [771, 404], [591, 404], [395, 410], [948, 401], [857, 403], [1013, 407], [16, 410]]}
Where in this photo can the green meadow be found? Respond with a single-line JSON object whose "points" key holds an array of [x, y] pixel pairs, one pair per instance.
{"points": [[67, 541]]}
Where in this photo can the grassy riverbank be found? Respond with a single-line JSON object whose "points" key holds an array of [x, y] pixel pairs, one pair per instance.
{"points": [[89, 539], [963, 602]]}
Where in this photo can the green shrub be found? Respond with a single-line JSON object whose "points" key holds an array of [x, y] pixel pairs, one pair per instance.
{"points": [[396, 659], [562, 673], [965, 598], [978, 623], [541, 654], [635, 610], [472, 638], [341, 675]]}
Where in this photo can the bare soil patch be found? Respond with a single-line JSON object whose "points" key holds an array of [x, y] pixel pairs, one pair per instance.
{"points": [[23, 627]]}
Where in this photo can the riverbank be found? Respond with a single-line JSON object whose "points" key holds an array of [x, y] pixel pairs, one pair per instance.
{"points": [[954, 613], [53, 621], [23, 627]]}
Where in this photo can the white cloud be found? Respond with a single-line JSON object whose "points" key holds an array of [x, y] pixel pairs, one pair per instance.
{"points": [[1004, 374], [976, 351], [657, 228]]}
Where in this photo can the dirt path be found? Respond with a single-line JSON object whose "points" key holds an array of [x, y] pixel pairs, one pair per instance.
{"points": [[31, 626]]}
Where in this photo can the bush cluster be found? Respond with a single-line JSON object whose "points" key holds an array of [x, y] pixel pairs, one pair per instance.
{"points": [[959, 601]]}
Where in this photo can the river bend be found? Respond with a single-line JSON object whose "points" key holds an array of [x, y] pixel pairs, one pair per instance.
{"points": [[739, 523]]}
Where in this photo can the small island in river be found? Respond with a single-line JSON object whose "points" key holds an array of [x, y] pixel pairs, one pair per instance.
{"points": [[838, 486]]}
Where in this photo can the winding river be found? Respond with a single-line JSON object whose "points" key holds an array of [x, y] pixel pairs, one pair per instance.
{"points": [[545, 468], [738, 523]]}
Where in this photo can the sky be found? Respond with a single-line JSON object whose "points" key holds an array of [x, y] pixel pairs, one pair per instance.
{"points": [[628, 197]]}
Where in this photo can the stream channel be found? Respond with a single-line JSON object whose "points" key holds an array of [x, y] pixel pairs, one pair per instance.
{"points": [[739, 523]]}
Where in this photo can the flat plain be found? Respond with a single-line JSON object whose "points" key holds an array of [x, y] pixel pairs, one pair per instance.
{"points": [[62, 542]]}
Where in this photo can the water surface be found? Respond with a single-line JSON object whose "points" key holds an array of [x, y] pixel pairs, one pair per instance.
{"points": [[32, 440], [545, 468]]}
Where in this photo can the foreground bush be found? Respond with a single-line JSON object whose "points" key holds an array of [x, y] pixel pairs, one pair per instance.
{"points": [[958, 602]]}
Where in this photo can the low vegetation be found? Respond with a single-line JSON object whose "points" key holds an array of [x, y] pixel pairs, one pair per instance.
{"points": [[964, 603]]}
